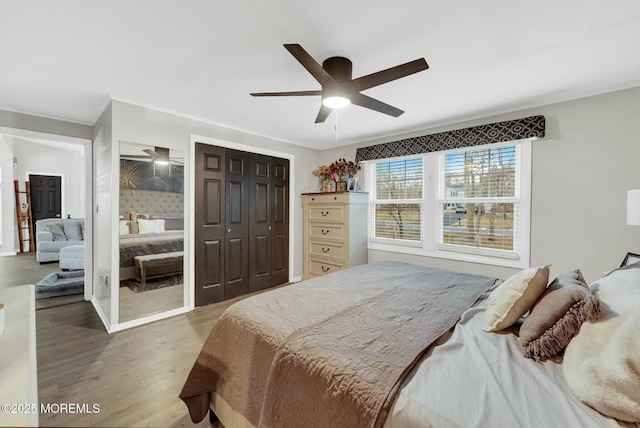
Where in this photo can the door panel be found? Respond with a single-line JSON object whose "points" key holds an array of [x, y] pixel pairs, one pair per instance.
{"points": [[237, 216], [210, 227], [260, 223], [46, 196], [279, 221], [213, 273], [243, 229]]}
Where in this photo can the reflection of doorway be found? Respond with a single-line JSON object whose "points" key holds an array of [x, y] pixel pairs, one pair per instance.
{"points": [[46, 197]]}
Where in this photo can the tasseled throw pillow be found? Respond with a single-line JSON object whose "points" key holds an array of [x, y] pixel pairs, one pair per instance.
{"points": [[557, 316]]}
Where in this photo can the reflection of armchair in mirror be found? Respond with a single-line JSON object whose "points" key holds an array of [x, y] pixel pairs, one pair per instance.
{"points": [[151, 230]]}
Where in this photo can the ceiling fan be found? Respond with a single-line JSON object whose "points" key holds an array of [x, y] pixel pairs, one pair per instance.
{"points": [[160, 155], [339, 89]]}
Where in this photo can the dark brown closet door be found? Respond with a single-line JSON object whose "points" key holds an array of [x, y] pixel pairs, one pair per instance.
{"points": [[237, 239], [260, 223], [279, 221], [210, 224]]}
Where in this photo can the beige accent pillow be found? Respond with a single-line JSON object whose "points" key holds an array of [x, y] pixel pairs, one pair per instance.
{"points": [[124, 227], [514, 297], [557, 316], [150, 226]]}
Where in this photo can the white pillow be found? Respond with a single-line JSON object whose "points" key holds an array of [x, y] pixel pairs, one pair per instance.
{"points": [[514, 297], [150, 226], [124, 227]]}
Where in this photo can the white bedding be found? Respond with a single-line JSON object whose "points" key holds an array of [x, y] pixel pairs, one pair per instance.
{"points": [[602, 363], [481, 379]]}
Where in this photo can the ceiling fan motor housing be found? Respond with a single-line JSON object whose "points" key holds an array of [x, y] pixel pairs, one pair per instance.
{"points": [[340, 68]]}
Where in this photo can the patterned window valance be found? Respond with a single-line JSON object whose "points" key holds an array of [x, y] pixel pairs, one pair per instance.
{"points": [[509, 130]]}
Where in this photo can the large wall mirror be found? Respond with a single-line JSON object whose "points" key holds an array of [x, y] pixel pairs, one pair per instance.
{"points": [[151, 230]]}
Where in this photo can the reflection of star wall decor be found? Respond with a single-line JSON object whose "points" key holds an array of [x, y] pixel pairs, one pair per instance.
{"points": [[130, 178]]}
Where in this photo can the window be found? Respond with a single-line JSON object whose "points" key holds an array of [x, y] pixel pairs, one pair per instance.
{"points": [[468, 204], [398, 200], [479, 201]]}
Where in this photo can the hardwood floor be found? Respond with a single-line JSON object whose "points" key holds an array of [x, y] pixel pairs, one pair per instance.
{"points": [[135, 376], [136, 305], [23, 269]]}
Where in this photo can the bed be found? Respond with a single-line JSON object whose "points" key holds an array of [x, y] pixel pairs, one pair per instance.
{"points": [[394, 345], [132, 245]]}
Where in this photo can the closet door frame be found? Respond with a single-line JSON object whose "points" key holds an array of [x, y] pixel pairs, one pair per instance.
{"points": [[291, 196]]}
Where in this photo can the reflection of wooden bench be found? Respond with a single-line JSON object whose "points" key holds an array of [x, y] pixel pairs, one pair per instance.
{"points": [[157, 266]]}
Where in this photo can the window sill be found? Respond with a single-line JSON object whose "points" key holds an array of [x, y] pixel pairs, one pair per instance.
{"points": [[448, 255]]}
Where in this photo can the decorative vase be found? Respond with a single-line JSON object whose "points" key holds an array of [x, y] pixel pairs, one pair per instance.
{"points": [[341, 186]]}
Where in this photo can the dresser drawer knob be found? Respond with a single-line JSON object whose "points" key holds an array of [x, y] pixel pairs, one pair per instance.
{"points": [[324, 213], [325, 269], [326, 250], [324, 232]]}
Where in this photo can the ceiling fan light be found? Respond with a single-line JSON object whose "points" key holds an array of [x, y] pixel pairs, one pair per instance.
{"points": [[336, 101]]}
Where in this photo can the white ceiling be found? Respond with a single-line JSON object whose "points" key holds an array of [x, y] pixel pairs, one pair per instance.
{"points": [[202, 58]]}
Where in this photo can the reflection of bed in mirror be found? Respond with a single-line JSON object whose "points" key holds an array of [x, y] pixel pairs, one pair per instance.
{"points": [[144, 237]]}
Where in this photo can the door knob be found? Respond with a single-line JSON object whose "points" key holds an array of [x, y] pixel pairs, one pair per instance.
{"points": [[228, 230], [269, 227]]}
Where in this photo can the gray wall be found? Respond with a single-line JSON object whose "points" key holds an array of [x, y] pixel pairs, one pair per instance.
{"points": [[27, 122], [580, 174], [140, 125]]}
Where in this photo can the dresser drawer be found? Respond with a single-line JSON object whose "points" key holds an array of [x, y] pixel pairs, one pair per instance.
{"points": [[326, 213], [328, 198], [324, 231], [326, 250], [318, 268]]}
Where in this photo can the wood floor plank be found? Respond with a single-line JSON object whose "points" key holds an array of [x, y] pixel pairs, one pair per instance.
{"points": [[135, 375]]}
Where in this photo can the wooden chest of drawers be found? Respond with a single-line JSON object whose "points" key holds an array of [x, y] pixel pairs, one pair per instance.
{"points": [[335, 231]]}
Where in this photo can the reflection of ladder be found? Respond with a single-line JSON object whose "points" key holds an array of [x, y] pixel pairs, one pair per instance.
{"points": [[24, 217]]}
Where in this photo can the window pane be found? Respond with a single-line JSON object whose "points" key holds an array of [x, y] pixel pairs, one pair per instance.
{"points": [[481, 173], [479, 225], [399, 179], [398, 221]]}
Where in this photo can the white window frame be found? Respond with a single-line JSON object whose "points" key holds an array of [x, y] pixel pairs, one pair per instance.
{"points": [[431, 214], [373, 201]]}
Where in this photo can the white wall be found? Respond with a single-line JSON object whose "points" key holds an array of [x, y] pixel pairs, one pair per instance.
{"points": [[105, 242], [8, 222], [36, 158], [580, 174]]}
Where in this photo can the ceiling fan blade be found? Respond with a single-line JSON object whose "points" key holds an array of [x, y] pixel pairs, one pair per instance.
{"points": [[388, 75], [373, 104], [310, 64], [323, 114], [286, 94]]}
